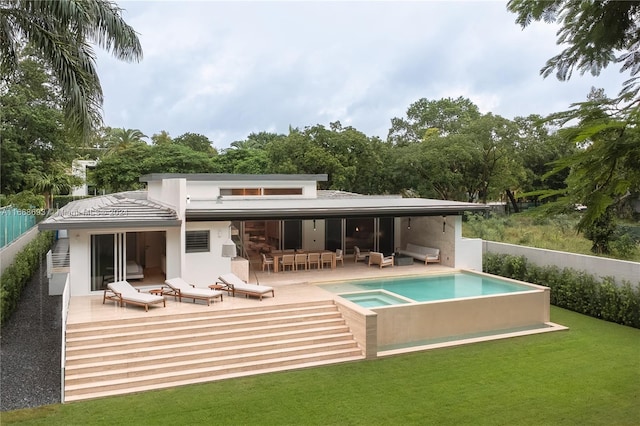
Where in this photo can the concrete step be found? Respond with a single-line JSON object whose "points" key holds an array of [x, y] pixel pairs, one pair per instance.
{"points": [[98, 325], [106, 358], [87, 393], [221, 359], [170, 377], [183, 320], [238, 322], [192, 338]]}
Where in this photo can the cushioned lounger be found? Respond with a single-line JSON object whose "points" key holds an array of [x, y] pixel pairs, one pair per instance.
{"points": [[236, 285], [122, 292], [180, 288]]}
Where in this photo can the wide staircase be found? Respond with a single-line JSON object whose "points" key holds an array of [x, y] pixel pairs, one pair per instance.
{"points": [[123, 356]]}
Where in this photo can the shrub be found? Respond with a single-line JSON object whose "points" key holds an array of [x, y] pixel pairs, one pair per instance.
{"points": [[16, 275], [573, 290]]}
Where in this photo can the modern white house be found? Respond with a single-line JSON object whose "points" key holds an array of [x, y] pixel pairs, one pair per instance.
{"points": [[79, 169], [183, 225]]}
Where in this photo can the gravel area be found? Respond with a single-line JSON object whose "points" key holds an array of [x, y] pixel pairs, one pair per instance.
{"points": [[30, 348]]}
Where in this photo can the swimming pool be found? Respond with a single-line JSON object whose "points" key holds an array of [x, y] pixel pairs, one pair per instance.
{"points": [[425, 288], [393, 312]]}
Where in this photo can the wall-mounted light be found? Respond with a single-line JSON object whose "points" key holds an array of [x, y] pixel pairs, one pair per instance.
{"points": [[188, 199], [409, 225], [229, 247], [357, 229], [444, 223], [314, 224]]}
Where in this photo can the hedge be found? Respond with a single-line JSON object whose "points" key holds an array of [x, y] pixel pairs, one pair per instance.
{"points": [[16, 275], [572, 289]]}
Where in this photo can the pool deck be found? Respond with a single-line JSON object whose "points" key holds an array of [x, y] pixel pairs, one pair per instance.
{"points": [[290, 287]]}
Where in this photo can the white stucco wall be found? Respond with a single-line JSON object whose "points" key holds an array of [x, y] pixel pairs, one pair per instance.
{"points": [[621, 270], [202, 269]]}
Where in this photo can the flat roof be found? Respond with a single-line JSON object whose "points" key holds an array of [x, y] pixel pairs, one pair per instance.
{"points": [[219, 177], [318, 208]]}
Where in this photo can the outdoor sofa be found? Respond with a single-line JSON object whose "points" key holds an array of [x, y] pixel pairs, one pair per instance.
{"points": [[426, 254]]}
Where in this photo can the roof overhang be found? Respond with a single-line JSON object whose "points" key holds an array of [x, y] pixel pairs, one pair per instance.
{"points": [[226, 177], [329, 208]]}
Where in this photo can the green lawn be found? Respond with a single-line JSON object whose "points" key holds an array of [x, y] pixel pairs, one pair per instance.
{"points": [[589, 374]]}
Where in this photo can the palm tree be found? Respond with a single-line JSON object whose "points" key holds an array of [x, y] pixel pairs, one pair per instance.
{"points": [[52, 182], [119, 139], [61, 32]]}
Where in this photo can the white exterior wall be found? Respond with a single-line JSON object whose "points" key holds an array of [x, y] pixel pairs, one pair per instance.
{"points": [[80, 261], [203, 269], [621, 270], [207, 191], [468, 250]]}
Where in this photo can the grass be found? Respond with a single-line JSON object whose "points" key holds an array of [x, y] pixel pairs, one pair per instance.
{"points": [[533, 230], [587, 375]]}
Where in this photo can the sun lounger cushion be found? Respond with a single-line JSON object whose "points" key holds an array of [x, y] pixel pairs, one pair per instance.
{"points": [[125, 293], [181, 289], [236, 285]]}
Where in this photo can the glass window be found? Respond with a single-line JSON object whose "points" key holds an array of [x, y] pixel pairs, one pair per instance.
{"points": [[333, 234], [385, 235], [196, 241], [292, 235], [282, 191], [359, 232], [102, 261]]}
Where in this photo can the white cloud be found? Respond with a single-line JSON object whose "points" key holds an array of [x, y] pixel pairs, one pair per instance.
{"points": [[226, 69]]}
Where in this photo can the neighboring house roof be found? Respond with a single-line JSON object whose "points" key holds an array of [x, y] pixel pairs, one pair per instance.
{"points": [[122, 210], [329, 204], [223, 177]]}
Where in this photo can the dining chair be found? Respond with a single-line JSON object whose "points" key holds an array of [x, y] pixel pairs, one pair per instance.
{"points": [[326, 258], [288, 260], [313, 259], [301, 260]]}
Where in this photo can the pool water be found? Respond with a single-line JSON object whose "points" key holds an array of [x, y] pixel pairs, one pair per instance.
{"points": [[374, 299], [430, 288]]}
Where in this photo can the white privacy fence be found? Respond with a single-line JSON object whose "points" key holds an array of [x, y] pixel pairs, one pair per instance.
{"points": [[621, 270]]}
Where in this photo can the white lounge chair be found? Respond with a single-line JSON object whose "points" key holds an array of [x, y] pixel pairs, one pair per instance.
{"points": [[180, 288], [122, 293], [235, 285]]}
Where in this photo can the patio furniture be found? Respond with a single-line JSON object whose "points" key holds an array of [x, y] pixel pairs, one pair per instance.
{"points": [[288, 260], [327, 258], [426, 254], [339, 256], [357, 255], [266, 262], [313, 259], [301, 260], [180, 288], [122, 293], [376, 258], [236, 285]]}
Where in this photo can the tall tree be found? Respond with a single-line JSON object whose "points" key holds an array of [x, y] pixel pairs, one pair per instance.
{"points": [[33, 135], [62, 33], [446, 116], [595, 33], [196, 142]]}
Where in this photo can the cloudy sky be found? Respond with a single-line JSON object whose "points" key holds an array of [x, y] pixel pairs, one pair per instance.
{"points": [[226, 69]]}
